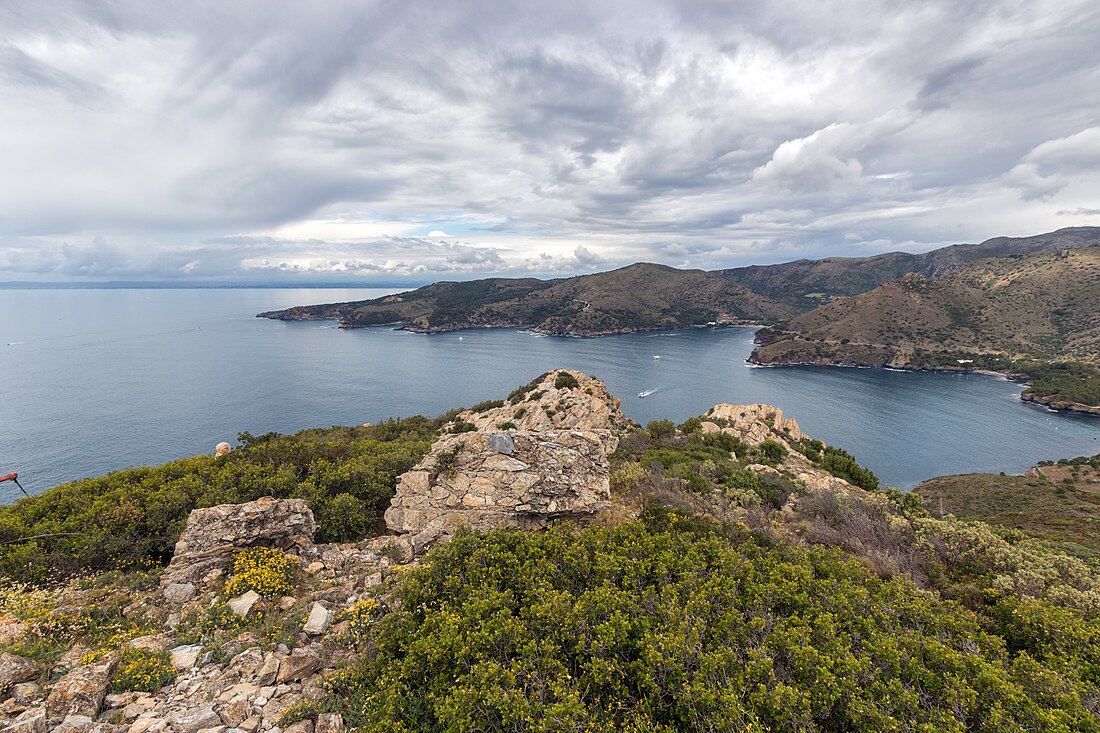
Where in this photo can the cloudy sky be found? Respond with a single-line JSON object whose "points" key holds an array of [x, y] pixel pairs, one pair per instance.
{"points": [[413, 140]]}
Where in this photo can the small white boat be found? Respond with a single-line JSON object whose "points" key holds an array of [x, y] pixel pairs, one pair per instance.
{"points": [[656, 357], [646, 393]]}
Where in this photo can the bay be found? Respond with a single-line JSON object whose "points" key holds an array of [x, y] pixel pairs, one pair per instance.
{"points": [[97, 380]]}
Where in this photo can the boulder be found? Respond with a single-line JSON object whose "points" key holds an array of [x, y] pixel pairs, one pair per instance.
{"points": [[214, 534], [318, 621], [80, 691], [15, 670], [186, 656], [299, 665], [192, 720], [31, 721], [329, 723], [179, 593], [75, 724], [243, 603]]}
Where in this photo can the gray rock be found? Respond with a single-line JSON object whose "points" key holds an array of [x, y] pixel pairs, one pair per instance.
{"points": [[186, 656], [14, 670], [190, 721], [178, 593], [269, 671], [299, 665], [329, 723], [243, 603], [501, 444], [552, 475], [214, 534], [75, 724], [80, 691], [235, 712], [32, 721], [318, 621], [26, 690]]}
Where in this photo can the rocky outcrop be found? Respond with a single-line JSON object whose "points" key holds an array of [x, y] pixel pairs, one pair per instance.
{"points": [[213, 535], [754, 424], [538, 458], [559, 400]]}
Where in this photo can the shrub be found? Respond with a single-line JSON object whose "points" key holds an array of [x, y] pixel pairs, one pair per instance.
{"points": [[660, 429], [265, 570], [841, 464], [675, 624], [142, 670], [772, 451], [507, 425], [127, 519], [565, 380], [461, 426]]}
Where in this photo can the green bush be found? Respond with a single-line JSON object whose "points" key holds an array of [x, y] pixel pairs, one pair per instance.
{"points": [[142, 670], [265, 570], [841, 464], [129, 518], [673, 624], [565, 380]]}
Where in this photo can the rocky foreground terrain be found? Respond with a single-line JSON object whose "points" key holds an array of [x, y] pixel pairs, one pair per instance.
{"points": [[540, 457], [246, 627]]}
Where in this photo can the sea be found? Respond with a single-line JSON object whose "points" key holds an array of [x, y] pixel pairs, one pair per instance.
{"points": [[95, 380]]}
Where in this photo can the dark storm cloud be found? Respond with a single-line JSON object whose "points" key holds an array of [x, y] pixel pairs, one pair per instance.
{"points": [[254, 138]]}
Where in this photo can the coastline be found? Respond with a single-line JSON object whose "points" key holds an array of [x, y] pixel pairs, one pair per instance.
{"points": [[1051, 403], [534, 328]]}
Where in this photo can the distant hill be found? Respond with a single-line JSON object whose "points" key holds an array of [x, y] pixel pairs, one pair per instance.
{"points": [[1001, 313], [639, 297], [649, 296], [807, 283]]}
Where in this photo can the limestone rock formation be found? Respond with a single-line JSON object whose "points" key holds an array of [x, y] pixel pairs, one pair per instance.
{"points": [[752, 423], [213, 535], [540, 457], [581, 403]]}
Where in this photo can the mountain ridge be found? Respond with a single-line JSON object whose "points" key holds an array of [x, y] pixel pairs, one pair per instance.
{"points": [[650, 296]]}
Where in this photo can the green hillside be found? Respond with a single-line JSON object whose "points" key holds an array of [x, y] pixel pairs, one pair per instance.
{"points": [[638, 297], [1036, 314], [1058, 501]]}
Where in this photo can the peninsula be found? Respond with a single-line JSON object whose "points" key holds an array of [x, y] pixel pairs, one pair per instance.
{"points": [[647, 296]]}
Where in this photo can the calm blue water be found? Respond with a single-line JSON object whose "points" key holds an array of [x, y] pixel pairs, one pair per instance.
{"points": [[96, 380]]}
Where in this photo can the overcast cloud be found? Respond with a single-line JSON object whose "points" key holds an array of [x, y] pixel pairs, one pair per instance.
{"points": [[410, 140]]}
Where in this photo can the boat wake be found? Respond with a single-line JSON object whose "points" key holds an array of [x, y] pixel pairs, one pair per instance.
{"points": [[646, 392]]}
